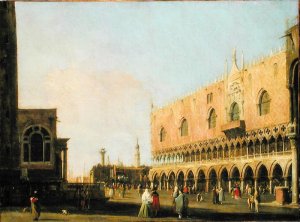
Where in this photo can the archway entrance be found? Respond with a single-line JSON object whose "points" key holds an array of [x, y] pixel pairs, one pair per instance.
{"points": [[235, 177], [248, 178], [190, 180], [224, 180], [262, 179], [180, 180], [201, 181], [163, 181], [212, 179], [155, 180], [172, 180], [278, 176]]}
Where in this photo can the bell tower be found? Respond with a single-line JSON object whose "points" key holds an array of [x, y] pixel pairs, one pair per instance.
{"points": [[137, 156], [9, 146]]}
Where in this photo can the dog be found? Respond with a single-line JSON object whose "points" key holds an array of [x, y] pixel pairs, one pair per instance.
{"points": [[64, 212]]}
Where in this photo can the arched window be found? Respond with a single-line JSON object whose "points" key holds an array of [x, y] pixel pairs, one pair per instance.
{"points": [[184, 131], [212, 119], [162, 135], [235, 112], [36, 145], [264, 103]]}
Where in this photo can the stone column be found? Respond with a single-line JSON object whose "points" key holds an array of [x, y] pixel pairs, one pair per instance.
{"points": [[260, 148], [65, 164], [285, 181], [152, 185], [242, 185], [271, 185], [219, 183], [293, 140], [255, 183], [229, 184], [207, 186], [196, 184], [167, 185]]}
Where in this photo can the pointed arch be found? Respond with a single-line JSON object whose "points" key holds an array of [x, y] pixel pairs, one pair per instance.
{"points": [[162, 134], [234, 112], [264, 102], [184, 128], [212, 118]]}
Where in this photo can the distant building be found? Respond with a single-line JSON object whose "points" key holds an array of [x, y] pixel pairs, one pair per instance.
{"points": [[118, 172]]}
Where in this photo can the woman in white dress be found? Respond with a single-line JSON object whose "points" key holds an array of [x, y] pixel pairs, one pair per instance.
{"points": [[145, 210]]}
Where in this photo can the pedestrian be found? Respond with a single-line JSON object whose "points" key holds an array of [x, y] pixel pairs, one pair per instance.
{"points": [[123, 190], [181, 204], [199, 196], [111, 192], [237, 193], [256, 200], [155, 202], [214, 195], [35, 206], [185, 189], [174, 196], [145, 210], [221, 195]]}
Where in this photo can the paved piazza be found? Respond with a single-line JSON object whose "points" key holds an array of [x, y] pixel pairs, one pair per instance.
{"points": [[126, 209]]}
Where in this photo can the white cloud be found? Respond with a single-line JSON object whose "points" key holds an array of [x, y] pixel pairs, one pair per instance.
{"points": [[98, 110]]}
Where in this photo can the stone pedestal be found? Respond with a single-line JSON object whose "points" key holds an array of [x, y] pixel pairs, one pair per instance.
{"points": [[281, 195]]}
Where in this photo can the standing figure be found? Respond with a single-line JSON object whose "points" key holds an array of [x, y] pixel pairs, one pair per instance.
{"points": [[174, 196], [185, 189], [111, 192], [155, 202], [214, 195], [35, 206], [256, 200], [237, 193], [140, 190], [123, 190], [181, 204], [221, 195], [145, 210]]}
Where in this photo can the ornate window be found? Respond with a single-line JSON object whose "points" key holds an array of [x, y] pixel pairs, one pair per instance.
{"points": [[184, 131], [234, 112], [162, 134], [36, 145], [264, 103], [212, 119], [209, 98]]}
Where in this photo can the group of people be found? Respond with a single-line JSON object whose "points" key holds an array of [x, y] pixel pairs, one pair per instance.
{"points": [[218, 195], [121, 190], [253, 197], [150, 204]]}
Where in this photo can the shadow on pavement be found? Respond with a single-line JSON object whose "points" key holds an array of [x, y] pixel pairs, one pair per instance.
{"points": [[131, 209]]}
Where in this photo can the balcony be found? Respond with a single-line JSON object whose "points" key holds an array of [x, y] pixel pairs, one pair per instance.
{"points": [[234, 128]]}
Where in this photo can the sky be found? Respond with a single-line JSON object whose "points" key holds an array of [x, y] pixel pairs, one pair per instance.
{"points": [[102, 65]]}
